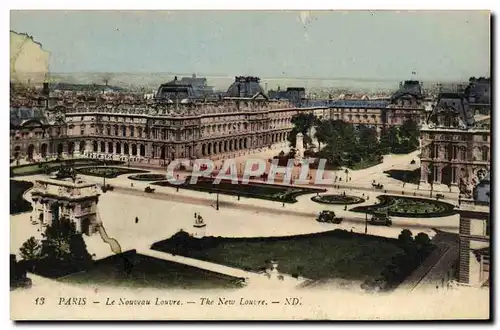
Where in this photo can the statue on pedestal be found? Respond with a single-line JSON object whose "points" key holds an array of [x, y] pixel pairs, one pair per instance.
{"points": [[299, 148]]}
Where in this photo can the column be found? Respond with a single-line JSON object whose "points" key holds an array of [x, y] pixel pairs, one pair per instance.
{"points": [[424, 171], [439, 174]]}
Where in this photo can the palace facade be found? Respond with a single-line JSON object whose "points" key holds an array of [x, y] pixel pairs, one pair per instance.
{"points": [[177, 123], [475, 232], [455, 144]]}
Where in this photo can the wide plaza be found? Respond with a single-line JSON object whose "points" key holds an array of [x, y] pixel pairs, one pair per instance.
{"points": [[168, 210]]}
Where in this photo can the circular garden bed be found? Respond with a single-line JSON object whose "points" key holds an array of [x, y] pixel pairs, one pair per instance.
{"points": [[148, 177], [107, 171], [408, 207], [337, 199]]}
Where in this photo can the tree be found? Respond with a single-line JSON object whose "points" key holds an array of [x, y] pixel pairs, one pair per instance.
{"points": [[385, 142], [405, 238], [62, 244], [30, 250], [422, 239], [410, 136], [302, 124], [368, 144]]}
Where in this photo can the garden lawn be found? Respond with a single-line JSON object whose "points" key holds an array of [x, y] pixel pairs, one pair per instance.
{"points": [[333, 254], [410, 207], [252, 190], [107, 171], [44, 167], [141, 271]]}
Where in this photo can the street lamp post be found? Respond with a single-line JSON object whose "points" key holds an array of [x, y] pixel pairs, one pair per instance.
{"points": [[104, 175], [366, 223]]}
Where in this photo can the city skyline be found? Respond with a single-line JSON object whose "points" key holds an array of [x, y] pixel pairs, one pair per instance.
{"points": [[316, 46]]}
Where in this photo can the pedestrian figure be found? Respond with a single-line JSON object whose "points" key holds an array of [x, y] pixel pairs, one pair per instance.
{"points": [[283, 204], [136, 220], [177, 189], [238, 197], [345, 208], [132, 184]]}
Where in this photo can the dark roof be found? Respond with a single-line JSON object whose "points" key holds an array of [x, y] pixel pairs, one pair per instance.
{"points": [[194, 81], [21, 115], [410, 87], [245, 87], [175, 88], [478, 91]]}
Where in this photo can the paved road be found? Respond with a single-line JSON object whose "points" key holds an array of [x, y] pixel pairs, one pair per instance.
{"points": [[256, 208]]}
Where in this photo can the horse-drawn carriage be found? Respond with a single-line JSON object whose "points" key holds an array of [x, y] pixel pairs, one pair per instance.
{"points": [[149, 190], [328, 217], [377, 185], [380, 220]]}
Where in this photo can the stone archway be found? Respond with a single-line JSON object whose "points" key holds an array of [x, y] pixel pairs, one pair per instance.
{"points": [[446, 175], [82, 146], [203, 149], [103, 146], [125, 149], [43, 150], [60, 149], [220, 147], [143, 150], [110, 147], [17, 151], [134, 150], [209, 151], [95, 146], [31, 150], [118, 148], [71, 148], [225, 146], [163, 152]]}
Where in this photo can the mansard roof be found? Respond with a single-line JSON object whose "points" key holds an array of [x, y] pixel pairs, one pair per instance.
{"points": [[478, 90], [245, 87], [174, 87], [456, 106], [410, 88], [20, 116]]}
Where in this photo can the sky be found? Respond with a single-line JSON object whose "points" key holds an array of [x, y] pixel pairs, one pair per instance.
{"points": [[382, 45]]}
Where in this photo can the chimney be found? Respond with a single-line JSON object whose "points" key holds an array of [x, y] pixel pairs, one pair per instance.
{"points": [[46, 90]]}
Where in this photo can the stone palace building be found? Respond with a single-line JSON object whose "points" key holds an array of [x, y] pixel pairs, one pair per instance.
{"points": [[178, 123], [455, 144]]}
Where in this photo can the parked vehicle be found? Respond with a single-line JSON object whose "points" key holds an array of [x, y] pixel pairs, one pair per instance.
{"points": [[149, 190], [380, 220], [438, 196], [328, 217]]}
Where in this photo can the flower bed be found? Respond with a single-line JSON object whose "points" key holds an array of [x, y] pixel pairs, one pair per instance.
{"points": [[408, 207], [337, 199], [148, 177], [107, 171]]}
